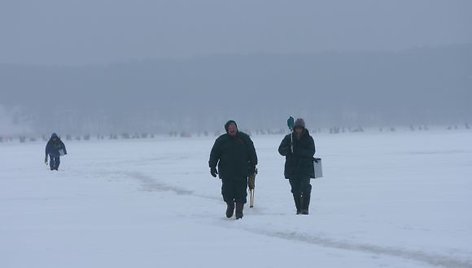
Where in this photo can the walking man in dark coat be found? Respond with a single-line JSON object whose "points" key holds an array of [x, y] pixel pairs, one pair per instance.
{"points": [[236, 158], [55, 148], [299, 149]]}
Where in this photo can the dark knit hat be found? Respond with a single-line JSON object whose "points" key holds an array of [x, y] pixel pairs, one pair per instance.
{"points": [[229, 123], [299, 123]]}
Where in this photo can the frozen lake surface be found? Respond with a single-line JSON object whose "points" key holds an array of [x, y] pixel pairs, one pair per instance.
{"points": [[387, 200]]}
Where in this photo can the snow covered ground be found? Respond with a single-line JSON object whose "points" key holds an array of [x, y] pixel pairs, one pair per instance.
{"points": [[387, 200]]}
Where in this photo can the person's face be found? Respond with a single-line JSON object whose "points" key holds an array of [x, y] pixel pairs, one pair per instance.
{"points": [[232, 130], [298, 130]]}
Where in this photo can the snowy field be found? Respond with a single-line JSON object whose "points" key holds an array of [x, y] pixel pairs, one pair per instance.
{"points": [[387, 200]]}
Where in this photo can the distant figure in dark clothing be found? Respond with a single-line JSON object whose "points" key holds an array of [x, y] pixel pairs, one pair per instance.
{"points": [[55, 148], [236, 158], [299, 149]]}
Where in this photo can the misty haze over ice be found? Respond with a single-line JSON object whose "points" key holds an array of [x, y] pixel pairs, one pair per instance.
{"points": [[105, 66]]}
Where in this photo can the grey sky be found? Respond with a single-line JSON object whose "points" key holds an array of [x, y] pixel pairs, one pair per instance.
{"points": [[102, 31]]}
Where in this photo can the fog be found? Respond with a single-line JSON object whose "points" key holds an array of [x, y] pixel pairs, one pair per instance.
{"points": [[108, 66]]}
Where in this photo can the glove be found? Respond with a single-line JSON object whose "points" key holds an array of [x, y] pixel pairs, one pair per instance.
{"points": [[213, 171], [285, 150]]}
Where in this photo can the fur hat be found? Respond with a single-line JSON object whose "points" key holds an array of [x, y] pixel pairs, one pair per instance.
{"points": [[229, 123], [299, 123]]}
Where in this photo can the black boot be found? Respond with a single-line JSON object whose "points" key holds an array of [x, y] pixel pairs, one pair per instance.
{"points": [[239, 210], [305, 204], [297, 200], [229, 209]]}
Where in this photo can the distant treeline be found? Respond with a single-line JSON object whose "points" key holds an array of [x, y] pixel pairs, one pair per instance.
{"points": [[258, 132], [424, 85]]}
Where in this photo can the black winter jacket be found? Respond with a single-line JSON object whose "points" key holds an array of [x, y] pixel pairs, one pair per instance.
{"points": [[53, 146], [235, 156], [299, 164]]}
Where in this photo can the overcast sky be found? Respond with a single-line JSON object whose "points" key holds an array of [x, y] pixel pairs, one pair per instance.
{"points": [[80, 32]]}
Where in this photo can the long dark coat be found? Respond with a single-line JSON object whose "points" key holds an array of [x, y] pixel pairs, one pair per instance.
{"points": [[299, 164], [235, 156]]}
